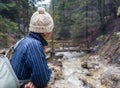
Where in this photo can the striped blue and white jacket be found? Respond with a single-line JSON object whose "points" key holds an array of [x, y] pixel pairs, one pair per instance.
{"points": [[28, 60]]}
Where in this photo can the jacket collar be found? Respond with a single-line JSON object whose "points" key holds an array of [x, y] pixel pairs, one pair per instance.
{"points": [[38, 37]]}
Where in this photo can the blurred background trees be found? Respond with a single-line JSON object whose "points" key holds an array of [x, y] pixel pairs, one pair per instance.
{"points": [[74, 19]]}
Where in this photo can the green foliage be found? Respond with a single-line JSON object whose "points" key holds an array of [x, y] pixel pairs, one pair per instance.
{"points": [[118, 2], [13, 14], [77, 18], [117, 34], [3, 40], [113, 39], [1, 35], [6, 25], [8, 10], [100, 38], [7, 6]]}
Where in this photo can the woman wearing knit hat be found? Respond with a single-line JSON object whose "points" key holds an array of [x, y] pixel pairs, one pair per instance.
{"points": [[28, 60]]}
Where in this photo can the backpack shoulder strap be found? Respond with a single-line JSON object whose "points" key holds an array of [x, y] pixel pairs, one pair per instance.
{"points": [[18, 82], [13, 47]]}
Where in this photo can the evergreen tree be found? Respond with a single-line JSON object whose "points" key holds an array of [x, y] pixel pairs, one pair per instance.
{"points": [[82, 18]]}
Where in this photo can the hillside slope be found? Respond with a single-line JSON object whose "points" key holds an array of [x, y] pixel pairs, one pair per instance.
{"points": [[110, 49]]}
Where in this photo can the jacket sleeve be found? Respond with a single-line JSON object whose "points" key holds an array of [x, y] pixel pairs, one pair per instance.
{"points": [[40, 73]]}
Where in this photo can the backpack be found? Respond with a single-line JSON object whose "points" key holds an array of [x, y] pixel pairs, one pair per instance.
{"points": [[8, 78]]}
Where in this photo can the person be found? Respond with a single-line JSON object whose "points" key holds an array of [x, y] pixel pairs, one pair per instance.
{"points": [[28, 60]]}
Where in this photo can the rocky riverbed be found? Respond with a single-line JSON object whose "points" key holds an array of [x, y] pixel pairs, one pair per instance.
{"points": [[83, 71]]}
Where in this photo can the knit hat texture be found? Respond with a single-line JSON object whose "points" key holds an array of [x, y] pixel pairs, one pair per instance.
{"points": [[41, 22]]}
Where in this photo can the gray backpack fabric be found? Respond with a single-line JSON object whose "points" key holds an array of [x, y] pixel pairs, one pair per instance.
{"points": [[8, 78]]}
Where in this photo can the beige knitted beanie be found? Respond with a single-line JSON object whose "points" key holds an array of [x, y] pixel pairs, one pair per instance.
{"points": [[41, 22]]}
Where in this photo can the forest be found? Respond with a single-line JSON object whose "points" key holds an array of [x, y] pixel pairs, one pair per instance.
{"points": [[74, 20], [84, 51]]}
